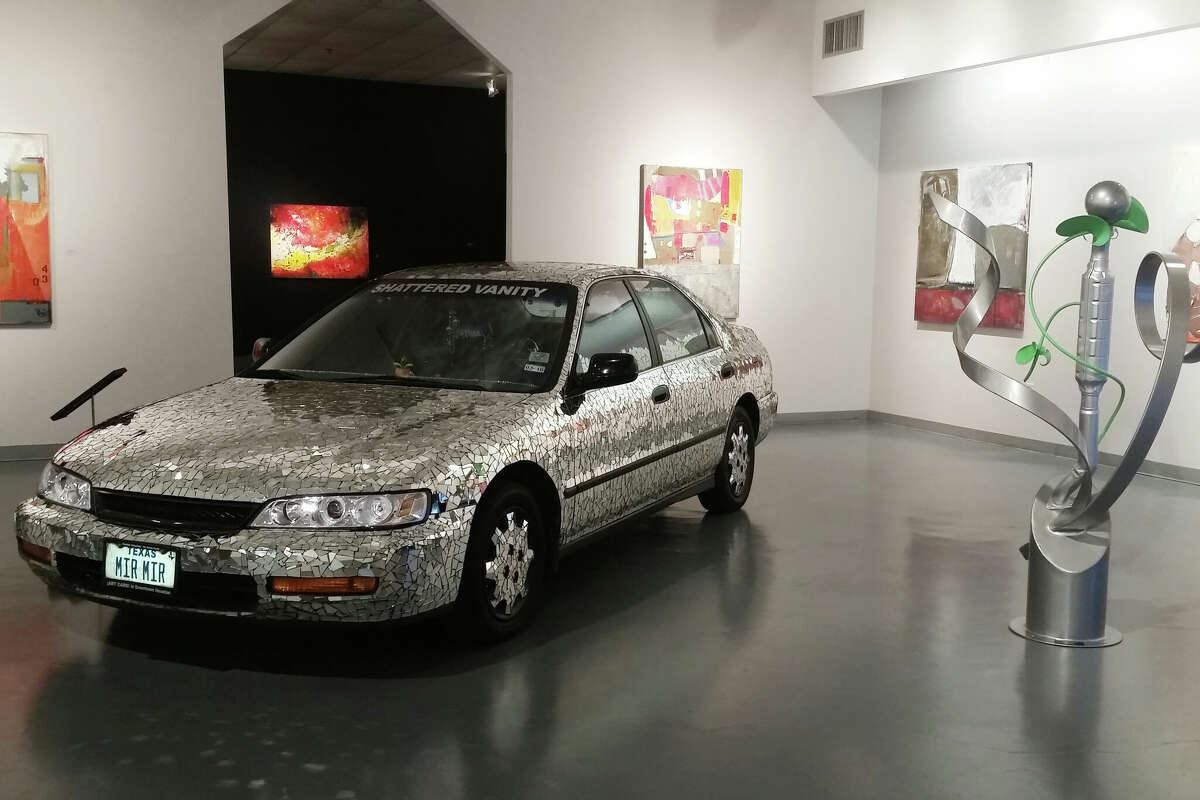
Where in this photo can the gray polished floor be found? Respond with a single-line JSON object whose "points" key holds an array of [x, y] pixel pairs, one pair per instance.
{"points": [[844, 637]]}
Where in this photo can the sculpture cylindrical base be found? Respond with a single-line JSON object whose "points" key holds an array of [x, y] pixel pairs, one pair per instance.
{"points": [[1067, 599], [1111, 636]]}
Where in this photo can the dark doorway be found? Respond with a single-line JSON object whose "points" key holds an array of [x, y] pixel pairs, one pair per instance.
{"points": [[428, 164]]}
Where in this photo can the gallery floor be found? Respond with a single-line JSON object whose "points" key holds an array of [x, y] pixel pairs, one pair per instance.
{"points": [[844, 637]]}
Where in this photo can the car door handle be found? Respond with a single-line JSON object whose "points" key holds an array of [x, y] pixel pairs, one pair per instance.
{"points": [[727, 371], [661, 394]]}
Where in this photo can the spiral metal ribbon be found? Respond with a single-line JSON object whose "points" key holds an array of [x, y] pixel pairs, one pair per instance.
{"points": [[1086, 511]]}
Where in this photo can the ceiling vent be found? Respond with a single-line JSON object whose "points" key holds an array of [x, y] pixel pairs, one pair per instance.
{"points": [[843, 34]]}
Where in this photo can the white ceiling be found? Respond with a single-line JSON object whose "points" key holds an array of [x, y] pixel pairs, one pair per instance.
{"points": [[386, 40]]}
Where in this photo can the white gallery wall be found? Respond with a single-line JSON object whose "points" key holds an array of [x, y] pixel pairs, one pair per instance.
{"points": [[907, 39], [130, 94], [598, 89], [1124, 111]]}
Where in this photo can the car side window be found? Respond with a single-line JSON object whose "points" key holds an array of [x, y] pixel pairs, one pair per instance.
{"points": [[676, 322], [713, 340], [611, 324]]}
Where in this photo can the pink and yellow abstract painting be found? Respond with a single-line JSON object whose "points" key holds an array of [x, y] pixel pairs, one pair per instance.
{"points": [[692, 230], [24, 230]]}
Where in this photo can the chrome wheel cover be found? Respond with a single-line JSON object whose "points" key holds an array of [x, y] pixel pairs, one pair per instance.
{"points": [[509, 569], [739, 460]]}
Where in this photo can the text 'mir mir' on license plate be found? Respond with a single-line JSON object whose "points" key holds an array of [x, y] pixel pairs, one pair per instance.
{"points": [[139, 565]]}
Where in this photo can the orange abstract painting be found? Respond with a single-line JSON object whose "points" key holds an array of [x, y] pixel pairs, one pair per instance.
{"points": [[319, 242], [24, 230]]}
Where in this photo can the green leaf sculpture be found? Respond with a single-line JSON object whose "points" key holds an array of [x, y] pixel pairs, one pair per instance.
{"points": [[1135, 219], [1100, 230], [1031, 351]]}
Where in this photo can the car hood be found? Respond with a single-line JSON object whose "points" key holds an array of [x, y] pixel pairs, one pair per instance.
{"points": [[252, 439]]}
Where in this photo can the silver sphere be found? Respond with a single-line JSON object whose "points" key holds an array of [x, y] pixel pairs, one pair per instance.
{"points": [[1108, 200]]}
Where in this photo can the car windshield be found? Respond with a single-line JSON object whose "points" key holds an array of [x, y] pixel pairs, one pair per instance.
{"points": [[500, 336]]}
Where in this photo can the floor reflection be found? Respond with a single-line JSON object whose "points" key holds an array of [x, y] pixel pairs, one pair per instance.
{"points": [[1061, 709], [356, 712], [846, 636]]}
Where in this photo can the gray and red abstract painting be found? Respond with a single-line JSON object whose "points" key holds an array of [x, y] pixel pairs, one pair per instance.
{"points": [[947, 266]]}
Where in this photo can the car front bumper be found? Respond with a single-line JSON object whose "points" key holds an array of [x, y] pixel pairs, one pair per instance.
{"points": [[418, 568]]}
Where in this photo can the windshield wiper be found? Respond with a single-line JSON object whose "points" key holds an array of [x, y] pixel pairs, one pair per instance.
{"points": [[277, 374], [367, 379], [412, 380]]}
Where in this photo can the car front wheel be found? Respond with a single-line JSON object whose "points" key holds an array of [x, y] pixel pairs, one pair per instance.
{"points": [[735, 471], [505, 566]]}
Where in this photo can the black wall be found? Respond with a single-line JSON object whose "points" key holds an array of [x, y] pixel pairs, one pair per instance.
{"points": [[427, 162]]}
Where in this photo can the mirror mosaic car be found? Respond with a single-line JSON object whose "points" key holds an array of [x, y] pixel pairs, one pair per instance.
{"points": [[236, 445]]}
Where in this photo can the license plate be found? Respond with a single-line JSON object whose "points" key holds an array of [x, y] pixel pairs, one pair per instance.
{"points": [[139, 565]]}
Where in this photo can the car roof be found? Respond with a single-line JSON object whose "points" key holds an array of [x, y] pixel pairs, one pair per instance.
{"points": [[554, 271]]}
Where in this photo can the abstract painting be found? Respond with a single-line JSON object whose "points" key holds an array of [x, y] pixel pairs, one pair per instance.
{"points": [[319, 242], [25, 237], [1188, 250], [947, 265], [692, 230]]}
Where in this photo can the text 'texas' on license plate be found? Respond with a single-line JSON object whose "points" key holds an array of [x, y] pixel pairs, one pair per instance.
{"points": [[139, 565]]}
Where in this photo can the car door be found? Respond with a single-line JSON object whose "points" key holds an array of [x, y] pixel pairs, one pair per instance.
{"points": [[617, 432], [694, 359]]}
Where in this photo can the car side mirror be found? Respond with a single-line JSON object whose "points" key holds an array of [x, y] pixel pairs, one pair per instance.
{"points": [[261, 349], [608, 369]]}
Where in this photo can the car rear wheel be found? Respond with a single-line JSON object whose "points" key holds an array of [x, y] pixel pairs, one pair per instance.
{"points": [[505, 566], [735, 471]]}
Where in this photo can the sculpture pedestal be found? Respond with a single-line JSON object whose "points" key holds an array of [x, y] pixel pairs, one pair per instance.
{"points": [[1067, 600]]}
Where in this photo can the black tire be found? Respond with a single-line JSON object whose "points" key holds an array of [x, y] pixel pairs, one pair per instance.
{"points": [[490, 607], [729, 494]]}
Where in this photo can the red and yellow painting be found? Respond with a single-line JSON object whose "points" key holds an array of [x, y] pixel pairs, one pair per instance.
{"points": [[24, 230], [692, 230], [319, 242]]}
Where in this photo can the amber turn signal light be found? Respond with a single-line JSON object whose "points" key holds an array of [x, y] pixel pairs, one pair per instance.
{"points": [[358, 584], [35, 551]]}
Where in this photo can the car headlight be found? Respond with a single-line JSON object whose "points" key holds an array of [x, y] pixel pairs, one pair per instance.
{"points": [[346, 511], [65, 488]]}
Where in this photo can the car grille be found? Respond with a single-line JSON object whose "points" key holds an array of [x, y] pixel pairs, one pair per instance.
{"points": [[213, 591], [161, 512]]}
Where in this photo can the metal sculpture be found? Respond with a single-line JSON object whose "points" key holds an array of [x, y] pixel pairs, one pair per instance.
{"points": [[1070, 529]]}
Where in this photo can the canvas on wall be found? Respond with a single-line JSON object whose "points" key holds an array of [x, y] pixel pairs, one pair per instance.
{"points": [[309, 241], [947, 264], [692, 230], [1188, 250], [25, 238], [1183, 210]]}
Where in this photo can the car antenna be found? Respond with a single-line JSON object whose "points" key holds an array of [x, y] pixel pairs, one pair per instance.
{"points": [[89, 394]]}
